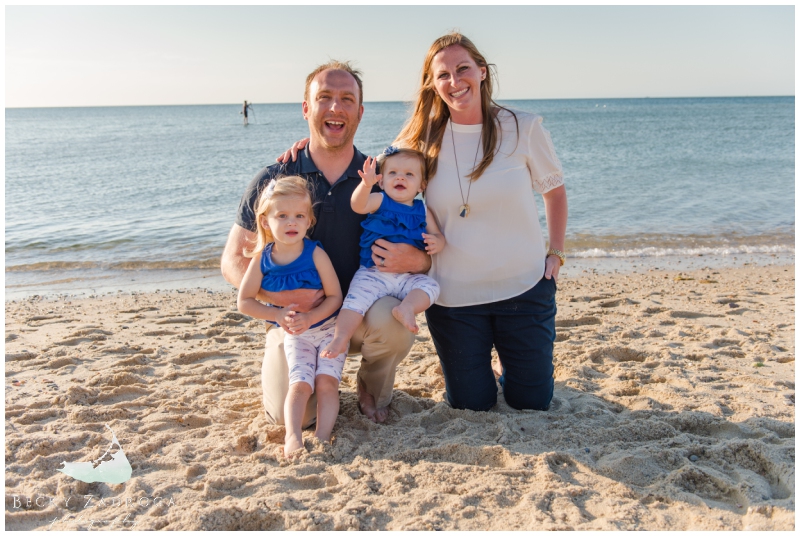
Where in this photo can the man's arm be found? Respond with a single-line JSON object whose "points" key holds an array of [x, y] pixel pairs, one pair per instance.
{"points": [[234, 265], [399, 258]]}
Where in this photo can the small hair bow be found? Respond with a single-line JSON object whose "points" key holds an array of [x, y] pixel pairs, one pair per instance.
{"points": [[270, 189], [389, 151]]}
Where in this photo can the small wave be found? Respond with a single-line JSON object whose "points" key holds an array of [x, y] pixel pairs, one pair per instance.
{"points": [[653, 251], [124, 265], [53, 265]]}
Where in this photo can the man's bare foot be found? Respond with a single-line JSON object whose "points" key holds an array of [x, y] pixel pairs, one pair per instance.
{"points": [[338, 346], [366, 405], [293, 446], [405, 315]]}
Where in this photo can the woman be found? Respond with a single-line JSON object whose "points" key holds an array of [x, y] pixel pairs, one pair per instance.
{"points": [[497, 278]]}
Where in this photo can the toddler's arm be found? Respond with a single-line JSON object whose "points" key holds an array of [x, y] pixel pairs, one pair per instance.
{"points": [[248, 290], [299, 322], [362, 201], [434, 239]]}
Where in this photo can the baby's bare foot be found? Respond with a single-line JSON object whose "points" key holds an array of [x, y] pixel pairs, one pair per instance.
{"points": [[405, 315], [338, 346], [293, 447]]}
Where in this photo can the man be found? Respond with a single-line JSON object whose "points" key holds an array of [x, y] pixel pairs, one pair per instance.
{"points": [[333, 106]]}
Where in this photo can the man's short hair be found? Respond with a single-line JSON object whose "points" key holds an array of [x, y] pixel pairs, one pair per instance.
{"points": [[336, 65]]}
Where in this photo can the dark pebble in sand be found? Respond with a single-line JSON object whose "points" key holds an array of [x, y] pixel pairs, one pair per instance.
{"points": [[693, 458], [587, 450], [733, 305]]}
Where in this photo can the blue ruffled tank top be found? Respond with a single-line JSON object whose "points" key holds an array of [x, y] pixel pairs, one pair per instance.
{"points": [[394, 222], [300, 273]]}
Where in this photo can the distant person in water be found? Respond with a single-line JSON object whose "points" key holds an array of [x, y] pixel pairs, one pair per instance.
{"points": [[245, 106]]}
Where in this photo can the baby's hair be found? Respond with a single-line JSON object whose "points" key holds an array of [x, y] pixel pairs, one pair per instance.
{"points": [[293, 186], [383, 157]]}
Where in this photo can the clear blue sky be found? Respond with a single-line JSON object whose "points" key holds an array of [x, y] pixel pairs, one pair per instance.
{"points": [[101, 56]]}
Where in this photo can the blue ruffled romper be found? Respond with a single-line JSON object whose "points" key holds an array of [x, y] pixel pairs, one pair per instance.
{"points": [[302, 351], [397, 223]]}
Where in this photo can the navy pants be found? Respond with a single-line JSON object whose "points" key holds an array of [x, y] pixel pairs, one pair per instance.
{"points": [[522, 329]]}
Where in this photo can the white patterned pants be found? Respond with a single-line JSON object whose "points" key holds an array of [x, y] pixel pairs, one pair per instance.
{"points": [[369, 285], [302, 354]]}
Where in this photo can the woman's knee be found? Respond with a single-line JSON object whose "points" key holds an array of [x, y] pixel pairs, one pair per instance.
{"points": [[522, 397]]}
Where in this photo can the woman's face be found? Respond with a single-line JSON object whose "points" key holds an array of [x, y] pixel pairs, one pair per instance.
{"points": [[457, 79]]}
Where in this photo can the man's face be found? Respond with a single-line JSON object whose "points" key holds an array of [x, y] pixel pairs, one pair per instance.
{"points": [[333, 110]]}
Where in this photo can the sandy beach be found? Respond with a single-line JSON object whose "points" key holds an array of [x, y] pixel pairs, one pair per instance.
{"points": [[673, 410]]}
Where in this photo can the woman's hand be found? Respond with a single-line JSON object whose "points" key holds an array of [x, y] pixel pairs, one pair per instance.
{"points": [[552, 264], [291, 153], [368, 176]]}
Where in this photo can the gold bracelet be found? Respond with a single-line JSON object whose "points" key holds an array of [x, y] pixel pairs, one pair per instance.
{"points": [[558, 253]]}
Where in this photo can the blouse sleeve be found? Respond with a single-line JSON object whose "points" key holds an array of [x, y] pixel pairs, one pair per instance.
{"points": [[544, 165]]}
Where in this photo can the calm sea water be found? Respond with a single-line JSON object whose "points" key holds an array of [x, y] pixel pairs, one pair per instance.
{"points": [[136, 192]]}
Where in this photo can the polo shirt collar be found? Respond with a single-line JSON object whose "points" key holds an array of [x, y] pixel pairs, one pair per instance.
{"points": [[307, 165]]}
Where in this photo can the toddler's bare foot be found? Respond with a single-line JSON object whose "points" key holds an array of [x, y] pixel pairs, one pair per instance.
{"points": [[405, 315], [293, 447], [338, 346]]}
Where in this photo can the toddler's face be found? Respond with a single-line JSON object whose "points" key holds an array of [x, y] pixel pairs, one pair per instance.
{"points": [[288, 219], [402, 178]]}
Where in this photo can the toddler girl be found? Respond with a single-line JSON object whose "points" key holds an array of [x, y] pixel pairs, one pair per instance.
{"points": [[284, 259], [394, 215]]}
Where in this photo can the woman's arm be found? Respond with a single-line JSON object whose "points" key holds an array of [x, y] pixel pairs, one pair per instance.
{"points": [[555, 208], [299, 322]]}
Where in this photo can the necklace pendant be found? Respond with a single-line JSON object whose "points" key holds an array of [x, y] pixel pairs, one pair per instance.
{"points": [[463, 211]]}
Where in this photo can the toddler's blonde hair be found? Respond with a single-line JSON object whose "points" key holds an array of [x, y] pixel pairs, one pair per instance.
{"points": [[283, 187]]}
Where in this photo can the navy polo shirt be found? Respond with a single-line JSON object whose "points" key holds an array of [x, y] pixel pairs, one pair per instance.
{"points": [[338, 228]]}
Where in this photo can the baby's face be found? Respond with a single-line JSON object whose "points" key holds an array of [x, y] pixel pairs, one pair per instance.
{"points": [[402, 178]]}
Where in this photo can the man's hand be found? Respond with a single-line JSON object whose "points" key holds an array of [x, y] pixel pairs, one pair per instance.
{"points": [[399, 258], [291, 153], [301, 300]]}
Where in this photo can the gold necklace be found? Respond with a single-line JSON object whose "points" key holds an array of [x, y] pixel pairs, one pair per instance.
{"points": [[463, 210]]}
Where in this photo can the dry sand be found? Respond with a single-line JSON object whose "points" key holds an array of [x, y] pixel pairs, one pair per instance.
{"points": [[673, 409]]}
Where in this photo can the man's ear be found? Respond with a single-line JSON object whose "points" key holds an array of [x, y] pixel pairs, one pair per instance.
{"points": [[305, 110], [361, 113]]}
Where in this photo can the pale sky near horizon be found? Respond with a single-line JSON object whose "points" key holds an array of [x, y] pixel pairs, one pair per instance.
{"points": [[146, 55]]}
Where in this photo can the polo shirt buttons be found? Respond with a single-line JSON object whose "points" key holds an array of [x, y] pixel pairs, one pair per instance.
{"points": [[329, 193]]}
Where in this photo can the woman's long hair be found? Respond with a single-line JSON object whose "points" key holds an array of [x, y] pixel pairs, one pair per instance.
{"points": [[425, 129]]}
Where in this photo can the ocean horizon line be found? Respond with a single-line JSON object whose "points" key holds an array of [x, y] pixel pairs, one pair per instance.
{"points": [[78, 107]]}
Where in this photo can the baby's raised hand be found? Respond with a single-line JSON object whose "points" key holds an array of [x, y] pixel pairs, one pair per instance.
{"points": [[368, 176], [433, 243]]}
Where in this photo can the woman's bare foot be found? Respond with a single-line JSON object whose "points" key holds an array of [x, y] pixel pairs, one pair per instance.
{"points": [[497, 368], [293, 446], [366, 405], [338, 346], [404, 314]]}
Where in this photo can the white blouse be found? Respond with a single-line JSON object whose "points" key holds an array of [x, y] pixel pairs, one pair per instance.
{"points": [[498, 251]]}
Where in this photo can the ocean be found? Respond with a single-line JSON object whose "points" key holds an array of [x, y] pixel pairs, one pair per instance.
{"points": [[142, 198]]}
